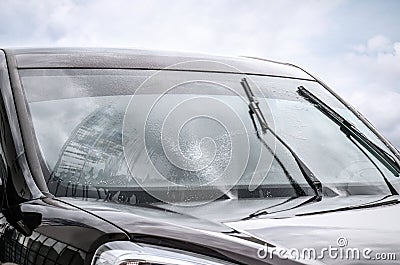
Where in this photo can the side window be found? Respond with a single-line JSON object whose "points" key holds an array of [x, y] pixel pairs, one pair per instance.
{"points": [[3, 167], [13, 173], [3, 140]]}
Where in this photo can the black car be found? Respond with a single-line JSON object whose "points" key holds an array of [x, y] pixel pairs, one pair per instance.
{"points": [[123, 157]]}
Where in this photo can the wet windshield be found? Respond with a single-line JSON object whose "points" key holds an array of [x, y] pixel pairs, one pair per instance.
{"points": [[187, 137]]}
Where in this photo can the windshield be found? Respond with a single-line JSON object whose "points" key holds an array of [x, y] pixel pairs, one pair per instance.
{"points": [[177, 136]]}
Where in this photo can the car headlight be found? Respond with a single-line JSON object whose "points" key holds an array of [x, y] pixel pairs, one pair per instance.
{"points": [[128, 253]]}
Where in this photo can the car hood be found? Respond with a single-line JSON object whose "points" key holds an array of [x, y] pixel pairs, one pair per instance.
{"points": [[291, 224], [373, 233]]}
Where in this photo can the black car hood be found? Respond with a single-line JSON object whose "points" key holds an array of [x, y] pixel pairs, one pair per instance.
{"points": [[375, 229], [224, 225]]}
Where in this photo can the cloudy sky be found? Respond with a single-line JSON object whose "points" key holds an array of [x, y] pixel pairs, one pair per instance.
{"points": [[353, 45]]}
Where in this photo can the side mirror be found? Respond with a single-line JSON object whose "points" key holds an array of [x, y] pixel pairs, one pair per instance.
{"points": [[23, 222]]}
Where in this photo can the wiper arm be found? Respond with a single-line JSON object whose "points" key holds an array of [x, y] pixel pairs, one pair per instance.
{"points": [[351, 131], [255, 110], [253, 106]]}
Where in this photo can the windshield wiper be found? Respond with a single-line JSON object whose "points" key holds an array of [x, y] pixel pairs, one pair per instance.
{"points": [[351, 131], [254, 110], [388, 200], [270, 209]]}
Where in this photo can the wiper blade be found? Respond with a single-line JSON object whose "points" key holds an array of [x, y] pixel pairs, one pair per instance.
{"points": [[379, 203], [351, 131], [254, 109], [387, 200], [268, 210]]}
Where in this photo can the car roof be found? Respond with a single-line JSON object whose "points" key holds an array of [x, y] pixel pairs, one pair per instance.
{"points": [[105, 58]]}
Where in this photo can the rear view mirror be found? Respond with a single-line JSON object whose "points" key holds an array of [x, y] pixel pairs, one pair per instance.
{"points": [[24, 222]]}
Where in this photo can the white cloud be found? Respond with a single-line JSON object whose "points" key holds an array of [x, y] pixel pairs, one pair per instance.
{"points": [[279, 29], [367, 73], [376, 44], [369, 77]]}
